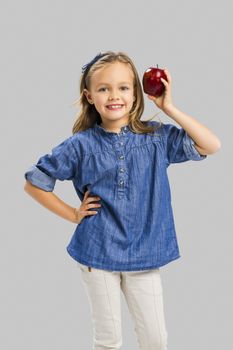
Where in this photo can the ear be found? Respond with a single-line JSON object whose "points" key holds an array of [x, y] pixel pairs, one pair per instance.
{"points": [[88, 96]]}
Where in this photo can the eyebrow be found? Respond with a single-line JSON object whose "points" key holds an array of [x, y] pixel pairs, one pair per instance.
{"points": [[122, 82]]}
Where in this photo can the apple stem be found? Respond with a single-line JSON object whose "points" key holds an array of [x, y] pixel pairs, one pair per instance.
{"points": [[157, 66]]}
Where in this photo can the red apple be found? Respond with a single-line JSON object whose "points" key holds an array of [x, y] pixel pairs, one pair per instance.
{"points": [[152, 85]]}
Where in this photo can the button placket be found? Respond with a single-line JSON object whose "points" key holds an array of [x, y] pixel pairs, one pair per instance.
{"points": [[121, 157]]}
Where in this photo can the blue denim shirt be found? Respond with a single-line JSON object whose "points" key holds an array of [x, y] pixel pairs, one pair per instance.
{"points": [[134, 228]]}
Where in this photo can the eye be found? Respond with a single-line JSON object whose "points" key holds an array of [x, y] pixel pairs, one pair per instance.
{"points": [[101, 89], [122, 87]]}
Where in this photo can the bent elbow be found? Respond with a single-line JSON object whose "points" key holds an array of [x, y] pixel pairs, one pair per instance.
{"points": [[217, 147], [29, 187], [26, 186]]}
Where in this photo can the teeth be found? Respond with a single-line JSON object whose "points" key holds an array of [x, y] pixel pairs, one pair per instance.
{"points": [[118, 106]]}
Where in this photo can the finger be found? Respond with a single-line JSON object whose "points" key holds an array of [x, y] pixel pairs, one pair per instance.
{"points": [[91, 199], [94, 205], [164, 82], [91, 212], [150, 97], [86, 194], [167, 75]]}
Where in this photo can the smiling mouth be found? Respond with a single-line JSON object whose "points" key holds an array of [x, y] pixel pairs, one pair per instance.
{"points": [[114, 107]]}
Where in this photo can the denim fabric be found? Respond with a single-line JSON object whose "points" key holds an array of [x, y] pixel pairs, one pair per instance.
{"points": [[134, 228]]}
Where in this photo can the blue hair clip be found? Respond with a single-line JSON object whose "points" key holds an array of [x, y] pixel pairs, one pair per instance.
{"points": [[89, 64]]}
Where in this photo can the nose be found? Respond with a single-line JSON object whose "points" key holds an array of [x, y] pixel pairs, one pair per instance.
{"points": [[113, 95]]}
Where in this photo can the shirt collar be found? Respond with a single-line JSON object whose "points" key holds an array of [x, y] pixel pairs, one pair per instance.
{"points": [[124, 129]]}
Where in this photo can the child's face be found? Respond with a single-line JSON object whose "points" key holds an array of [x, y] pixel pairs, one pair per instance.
{"points": [[112, 84]]}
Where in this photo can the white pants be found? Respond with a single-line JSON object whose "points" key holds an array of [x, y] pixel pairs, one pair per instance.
{"points": [[144, 296]]}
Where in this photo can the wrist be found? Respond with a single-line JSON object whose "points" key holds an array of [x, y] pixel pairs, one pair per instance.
{"points": [[169, 110], [74, 215]]}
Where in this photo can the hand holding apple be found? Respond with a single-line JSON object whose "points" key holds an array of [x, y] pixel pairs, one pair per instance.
{"points": [[157, 84], [152, 83]]}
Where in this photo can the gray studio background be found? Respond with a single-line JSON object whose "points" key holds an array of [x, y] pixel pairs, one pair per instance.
{"points": [[43, 46]]}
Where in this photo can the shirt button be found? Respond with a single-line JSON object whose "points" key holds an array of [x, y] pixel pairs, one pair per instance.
{"points": [[121, 143], [121, 157], [121, 182], [122, 170]]}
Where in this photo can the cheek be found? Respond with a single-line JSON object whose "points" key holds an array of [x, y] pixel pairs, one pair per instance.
{"points": [[99, 101], [130, 99]]}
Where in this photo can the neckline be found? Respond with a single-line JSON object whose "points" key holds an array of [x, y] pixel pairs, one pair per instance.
{"points": [[124, 129]]}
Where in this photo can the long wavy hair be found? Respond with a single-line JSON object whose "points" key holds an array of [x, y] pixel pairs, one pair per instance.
{"points": [[88, 114]]}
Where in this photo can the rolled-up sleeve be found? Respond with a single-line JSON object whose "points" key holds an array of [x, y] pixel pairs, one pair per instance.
{"points": [[179, 146], [60, 164]]}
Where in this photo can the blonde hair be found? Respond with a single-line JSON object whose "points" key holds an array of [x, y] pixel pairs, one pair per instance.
{"points": [[88, 114]]}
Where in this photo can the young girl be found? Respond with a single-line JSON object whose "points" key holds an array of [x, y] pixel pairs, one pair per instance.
{"points": [[118, 165]]}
